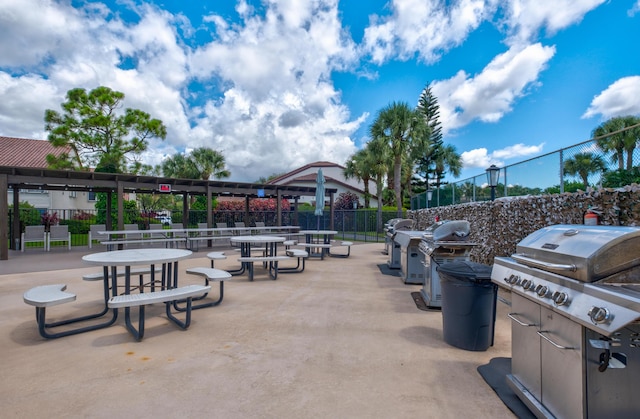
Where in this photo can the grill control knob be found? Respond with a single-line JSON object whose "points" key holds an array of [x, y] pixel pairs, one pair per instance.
{"points": [[513, 280], [599, 315], [542, 291], [527, 284], [560, 298]]}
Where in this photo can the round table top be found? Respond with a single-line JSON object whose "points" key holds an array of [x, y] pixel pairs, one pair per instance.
{"points": [[257, 239], [318, 232], [136, 257]]}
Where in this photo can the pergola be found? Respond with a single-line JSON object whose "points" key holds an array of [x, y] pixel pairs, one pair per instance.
{"points": [[21, 178]]}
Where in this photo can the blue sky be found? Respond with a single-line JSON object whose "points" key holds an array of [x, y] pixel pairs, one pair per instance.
{"points": [[277, 84]]}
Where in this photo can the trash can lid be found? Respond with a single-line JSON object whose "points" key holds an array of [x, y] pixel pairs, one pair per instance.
{"points": [[466, 270]]}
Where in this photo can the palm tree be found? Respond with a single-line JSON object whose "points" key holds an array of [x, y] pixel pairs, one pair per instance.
{"points": [[357, 167], [632, 135], [378, 160], [446, 159], [399, 127], [180, 166], [203, 163], [614, 135], [209, 163], [584, 164]]}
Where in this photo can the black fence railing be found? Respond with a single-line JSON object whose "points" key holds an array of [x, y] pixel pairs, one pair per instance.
{"points": [[355, 225], [536, 176]]}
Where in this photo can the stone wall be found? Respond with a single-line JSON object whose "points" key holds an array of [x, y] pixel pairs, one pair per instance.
{"points": [[499, 225]]}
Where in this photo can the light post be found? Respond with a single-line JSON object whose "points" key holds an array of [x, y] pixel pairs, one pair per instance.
{"points": [[429, 196], [493, 173]]}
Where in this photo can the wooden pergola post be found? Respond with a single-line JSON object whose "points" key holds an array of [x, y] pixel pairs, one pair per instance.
{"points": [[4, 209]]}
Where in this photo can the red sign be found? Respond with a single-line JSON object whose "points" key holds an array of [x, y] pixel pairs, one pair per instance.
{"points": [[165, 187]]}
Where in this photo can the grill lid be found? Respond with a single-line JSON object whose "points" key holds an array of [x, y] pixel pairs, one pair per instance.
{"points": [[585, 253], [404, 238], [400, 225]]}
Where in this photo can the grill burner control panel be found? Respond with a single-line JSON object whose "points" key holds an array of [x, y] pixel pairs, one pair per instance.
{"points": [[599, 308], [559, 298]]}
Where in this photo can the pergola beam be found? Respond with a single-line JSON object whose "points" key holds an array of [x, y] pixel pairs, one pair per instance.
{"points": [[17, 178]]}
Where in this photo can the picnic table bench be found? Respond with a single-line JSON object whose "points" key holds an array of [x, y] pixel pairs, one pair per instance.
{"points": [[167, 240], [325, 248], [210, 275], [44, 296], [299, 254], [272, 262], [140, 272], [167, 296]]}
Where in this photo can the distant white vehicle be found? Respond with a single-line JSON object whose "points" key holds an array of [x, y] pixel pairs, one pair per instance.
{"points": [[164, 219]]}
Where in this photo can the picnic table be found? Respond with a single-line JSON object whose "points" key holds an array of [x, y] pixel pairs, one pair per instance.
{"points": [[269, 254], [169, 291], [317, 242]]}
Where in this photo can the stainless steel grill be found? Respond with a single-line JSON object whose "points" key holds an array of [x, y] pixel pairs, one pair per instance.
{"points": [[443, 242], [575, 311], [387, 235], [411, 261], [391, 247]]}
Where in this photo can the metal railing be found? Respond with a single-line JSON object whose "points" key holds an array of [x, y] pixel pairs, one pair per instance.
{"points": [[357, 225], [535, 176]]}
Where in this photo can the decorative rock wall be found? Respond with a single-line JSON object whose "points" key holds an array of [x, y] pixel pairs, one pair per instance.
{"points": [[499, 225]]}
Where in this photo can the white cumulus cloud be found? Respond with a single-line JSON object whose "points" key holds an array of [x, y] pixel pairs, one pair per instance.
{"points": [[490, 94], [619, 99], [426, 27], [266, 99], [525, 18], [482, 158]]}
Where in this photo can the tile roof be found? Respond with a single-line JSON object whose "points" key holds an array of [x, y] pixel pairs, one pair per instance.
{"points": [[22, 152], [318, 164]]}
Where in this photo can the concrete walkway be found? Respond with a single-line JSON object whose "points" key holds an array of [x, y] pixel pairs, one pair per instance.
{"points": [[340, 340]]}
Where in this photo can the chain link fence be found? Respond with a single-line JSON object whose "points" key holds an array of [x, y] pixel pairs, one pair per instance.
{"points": [[540, 175]]}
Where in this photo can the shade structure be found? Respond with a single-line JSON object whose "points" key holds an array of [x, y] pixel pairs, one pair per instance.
{"points": [[319, 195]]}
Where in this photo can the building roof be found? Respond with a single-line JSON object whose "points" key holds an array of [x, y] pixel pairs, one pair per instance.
{"points": [[292, 177], [301, 169], [22, 152]]}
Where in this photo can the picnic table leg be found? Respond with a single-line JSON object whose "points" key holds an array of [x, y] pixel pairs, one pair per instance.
{"points": [[250, 268], [43, 325], [273, 270], [245, 250]]}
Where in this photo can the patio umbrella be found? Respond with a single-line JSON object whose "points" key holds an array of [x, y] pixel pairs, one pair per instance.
{"points": [[319, 195]]}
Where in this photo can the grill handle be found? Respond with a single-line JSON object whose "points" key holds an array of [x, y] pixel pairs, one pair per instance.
{"points": [[513, 317], [543, 265], [541, 333]]}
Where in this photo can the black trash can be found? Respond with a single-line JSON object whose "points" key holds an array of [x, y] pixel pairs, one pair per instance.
{"points": [[468, 305]]}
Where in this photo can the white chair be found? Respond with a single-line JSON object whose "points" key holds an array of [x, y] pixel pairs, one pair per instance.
{"points": [[33, 234], [156, 231], [93, 232], [59, 233], [132, 236], [262, 229], [240, 224], [179, 234], [223, 232], [224, 229], [203, 226]]}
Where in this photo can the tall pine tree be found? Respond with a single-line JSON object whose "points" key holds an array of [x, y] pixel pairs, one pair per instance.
{"points": [[428, 107]]}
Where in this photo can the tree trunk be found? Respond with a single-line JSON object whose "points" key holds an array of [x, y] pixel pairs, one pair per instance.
{"points": [[397, 183], [366, 192]]}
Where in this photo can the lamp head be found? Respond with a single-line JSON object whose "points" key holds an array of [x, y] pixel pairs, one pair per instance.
{"points": [[493, 174]]}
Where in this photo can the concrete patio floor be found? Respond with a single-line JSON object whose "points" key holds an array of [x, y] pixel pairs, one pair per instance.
{"points": [[340, 340]]}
